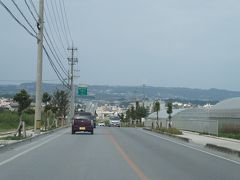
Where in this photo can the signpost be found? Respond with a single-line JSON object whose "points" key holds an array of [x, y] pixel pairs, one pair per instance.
{"points": [[82, 90]]}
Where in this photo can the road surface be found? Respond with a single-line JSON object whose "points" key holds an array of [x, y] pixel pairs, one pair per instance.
{"points": [[114, 154]]}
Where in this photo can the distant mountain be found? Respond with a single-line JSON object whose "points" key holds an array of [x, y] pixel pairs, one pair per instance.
{"points": [[131, 92]]}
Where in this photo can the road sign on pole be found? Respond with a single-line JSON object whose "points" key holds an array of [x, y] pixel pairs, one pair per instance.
{"points": [[82, 91]]}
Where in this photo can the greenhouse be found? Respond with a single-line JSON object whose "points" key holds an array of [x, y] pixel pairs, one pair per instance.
{"points": [[223, 117]]}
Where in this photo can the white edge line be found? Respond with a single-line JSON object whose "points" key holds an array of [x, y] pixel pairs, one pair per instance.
{"points": [[166, 139], [30, 149]]}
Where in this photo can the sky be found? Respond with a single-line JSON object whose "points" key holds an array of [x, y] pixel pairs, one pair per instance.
{"points": [[167, 43]]}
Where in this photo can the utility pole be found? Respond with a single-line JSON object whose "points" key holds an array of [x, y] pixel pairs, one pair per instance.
{"points": [[72, 61], [38, 105]]}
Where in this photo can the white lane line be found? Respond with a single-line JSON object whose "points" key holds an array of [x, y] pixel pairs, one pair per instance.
{"points": [[175, 142], [30, 149]]}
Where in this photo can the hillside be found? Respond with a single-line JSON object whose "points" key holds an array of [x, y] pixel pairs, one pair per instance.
{"points": [[132, 92]]}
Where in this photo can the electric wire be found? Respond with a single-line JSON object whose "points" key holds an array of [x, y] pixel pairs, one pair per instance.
{"points": [[20, 11], [15, 18], [56, 70], [56, 54], [66, 17], [45, 29], [56, 23], [56, 57], [30, 10], [59, 21], [62, 22]]}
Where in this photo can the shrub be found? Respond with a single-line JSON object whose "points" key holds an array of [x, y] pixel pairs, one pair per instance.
{"points": [[169, 130], [10, 120]]}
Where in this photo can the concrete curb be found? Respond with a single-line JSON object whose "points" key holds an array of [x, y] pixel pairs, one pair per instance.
{"points": [[29, 139], [170, 135], [223, 149], [6, 133]]}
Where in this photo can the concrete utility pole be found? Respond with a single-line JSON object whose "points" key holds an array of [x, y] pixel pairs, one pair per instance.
{"points": [[72, 61], [38, 105]]}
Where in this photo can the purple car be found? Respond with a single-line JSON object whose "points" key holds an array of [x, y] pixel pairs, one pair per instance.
{"points": [[82, 125]]}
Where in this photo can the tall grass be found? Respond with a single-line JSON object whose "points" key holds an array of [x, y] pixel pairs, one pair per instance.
{"points": [[9, 120]]}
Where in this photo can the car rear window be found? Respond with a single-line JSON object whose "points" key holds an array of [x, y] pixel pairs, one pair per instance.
{"points": [[80, 120]]}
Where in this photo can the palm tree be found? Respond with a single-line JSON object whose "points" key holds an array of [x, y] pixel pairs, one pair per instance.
{"points": [[156, 108], [169, 111]]}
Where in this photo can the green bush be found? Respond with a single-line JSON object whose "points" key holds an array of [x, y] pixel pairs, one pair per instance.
{"points": [[12, 138], [169, 130], [229, 135], [10, 120]]}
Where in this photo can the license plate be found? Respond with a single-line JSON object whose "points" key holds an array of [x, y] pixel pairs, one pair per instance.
{"points": [[82, 128]]}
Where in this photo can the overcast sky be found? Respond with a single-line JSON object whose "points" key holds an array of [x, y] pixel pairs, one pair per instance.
{"points": [[173, 43]]}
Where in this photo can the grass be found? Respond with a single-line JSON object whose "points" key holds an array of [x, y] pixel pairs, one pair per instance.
{"points": [[229, 135], [12, 138], [174, 131], [131, 125], [9, 120], [230, 132]]}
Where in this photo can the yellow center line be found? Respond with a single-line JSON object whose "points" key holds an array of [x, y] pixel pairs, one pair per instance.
{"points": [[120, 150]]}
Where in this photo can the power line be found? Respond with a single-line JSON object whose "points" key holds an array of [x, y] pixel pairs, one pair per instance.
{"points": [[56, 23], [30, 11], [53, 39], [51, 29], [59, 75], [55, 69], [34, 7], [64, 8], [14, 17], [15, 4], [63, 22], [56, 57], [59, 22]]}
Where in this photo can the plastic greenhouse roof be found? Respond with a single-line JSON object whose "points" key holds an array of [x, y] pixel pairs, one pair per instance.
{"points": [[233, 103]]}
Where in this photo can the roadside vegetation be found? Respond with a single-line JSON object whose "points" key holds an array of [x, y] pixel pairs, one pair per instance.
{"points": [[9, 120], [227, 132], [134, 115], [171, 130], [53, 115], [230, 135], [230, 132], [159, 128], [12, 138]]}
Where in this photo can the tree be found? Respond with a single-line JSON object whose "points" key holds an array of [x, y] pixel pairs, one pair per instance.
{"points": [[136, 113], [46, 99], [121, 116], [169, 111], [61, 104], [132, 113], [156, 108], [128, 116], [24, 101]]}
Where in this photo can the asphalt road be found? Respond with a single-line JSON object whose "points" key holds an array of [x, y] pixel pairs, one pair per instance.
{"points": [[114, 154]]}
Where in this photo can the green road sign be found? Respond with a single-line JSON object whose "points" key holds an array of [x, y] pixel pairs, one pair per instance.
{"points": [[82, 91]]}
